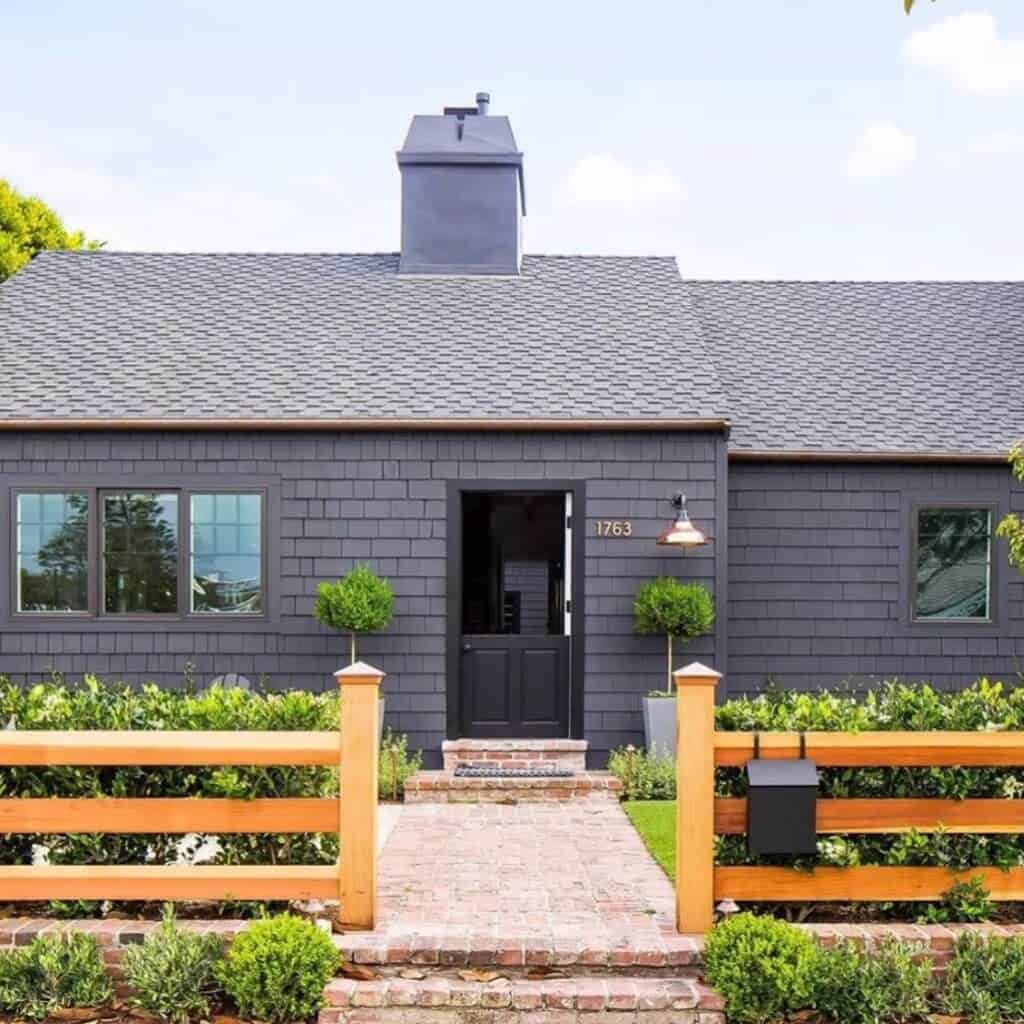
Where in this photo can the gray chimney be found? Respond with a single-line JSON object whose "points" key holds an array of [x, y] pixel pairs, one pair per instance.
{"points": [[462, 193]]}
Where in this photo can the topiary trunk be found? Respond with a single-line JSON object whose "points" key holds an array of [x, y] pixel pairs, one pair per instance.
{"points": [[668, 688]]}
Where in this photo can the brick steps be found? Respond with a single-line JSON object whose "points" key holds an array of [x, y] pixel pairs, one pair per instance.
{"points": [[439, 999], [444, 787], [570, 754], [458, 949]]}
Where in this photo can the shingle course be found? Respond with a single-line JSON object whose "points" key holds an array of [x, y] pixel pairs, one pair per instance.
{"points": [[155, 335], [867, 366]]}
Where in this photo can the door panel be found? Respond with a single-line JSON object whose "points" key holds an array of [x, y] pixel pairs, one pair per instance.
{"points": [[515, 686], [487, 675], [540, 683]]}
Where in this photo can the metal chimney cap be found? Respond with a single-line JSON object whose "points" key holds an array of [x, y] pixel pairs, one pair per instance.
{"points": [[483, 101]]}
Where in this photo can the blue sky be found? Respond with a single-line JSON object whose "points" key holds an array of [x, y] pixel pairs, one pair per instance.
{"points": [[750, 138]]}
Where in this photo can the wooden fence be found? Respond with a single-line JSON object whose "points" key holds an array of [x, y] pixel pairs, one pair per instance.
{"points": [[700, 816], [353, 816]]}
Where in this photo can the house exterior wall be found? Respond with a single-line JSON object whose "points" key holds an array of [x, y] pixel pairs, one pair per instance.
{"points": [[380, 498], [819, 587]]}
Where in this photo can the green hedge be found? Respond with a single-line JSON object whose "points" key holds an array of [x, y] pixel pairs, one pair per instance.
{"points": [[984, 706], [95, 704]]}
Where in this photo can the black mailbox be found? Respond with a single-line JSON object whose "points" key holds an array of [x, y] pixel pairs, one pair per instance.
{"points": [[781, 804]]}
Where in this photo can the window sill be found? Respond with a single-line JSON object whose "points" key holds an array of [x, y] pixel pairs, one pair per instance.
{"points": [[79, 623]]}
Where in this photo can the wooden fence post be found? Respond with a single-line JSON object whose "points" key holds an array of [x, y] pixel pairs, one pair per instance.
{"points": [[695, 797], [357, 779]]}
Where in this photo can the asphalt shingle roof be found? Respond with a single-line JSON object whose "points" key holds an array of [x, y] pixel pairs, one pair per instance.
{"points": [[803, 366], [867, 366], [144, 335]]}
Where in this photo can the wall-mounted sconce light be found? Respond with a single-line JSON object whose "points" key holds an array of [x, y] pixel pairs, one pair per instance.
{"points": [[682, 533]]}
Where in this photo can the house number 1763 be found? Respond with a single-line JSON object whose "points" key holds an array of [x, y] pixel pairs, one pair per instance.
{"points": [[614, 528]]}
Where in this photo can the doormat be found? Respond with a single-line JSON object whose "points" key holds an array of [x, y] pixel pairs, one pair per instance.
{"points": [[467, 771]]}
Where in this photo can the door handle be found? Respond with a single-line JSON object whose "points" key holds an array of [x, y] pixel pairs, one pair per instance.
{"points": [[466, 648]]}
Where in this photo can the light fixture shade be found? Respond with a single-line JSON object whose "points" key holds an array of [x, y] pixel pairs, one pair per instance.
{"points": [[682, 533]]}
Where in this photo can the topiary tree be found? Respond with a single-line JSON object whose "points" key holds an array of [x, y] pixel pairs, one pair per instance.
{"points": [[1011, 528], [360, 603], [678, 610]]}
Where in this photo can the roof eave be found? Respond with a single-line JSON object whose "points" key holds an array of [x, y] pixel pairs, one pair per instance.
{"points": [[367, 423], [850, 455]]}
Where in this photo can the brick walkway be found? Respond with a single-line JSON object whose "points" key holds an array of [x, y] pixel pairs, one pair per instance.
{"points": [[567, 883]]}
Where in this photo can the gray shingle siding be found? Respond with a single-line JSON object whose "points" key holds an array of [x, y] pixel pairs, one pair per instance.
{"points": [[819, 586], [380, 498]]}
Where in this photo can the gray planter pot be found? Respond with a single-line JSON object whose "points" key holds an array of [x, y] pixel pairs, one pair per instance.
{"points": [[660, 725]]}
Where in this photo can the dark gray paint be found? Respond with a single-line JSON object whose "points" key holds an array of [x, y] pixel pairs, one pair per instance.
{"points": [[379, 498], [462, 195], [820, 579]]}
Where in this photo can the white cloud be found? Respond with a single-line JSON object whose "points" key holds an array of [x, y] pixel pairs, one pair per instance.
{"points": [[603, 179], [969, 51], [307, 212], [1002, 143], [881, 151]]}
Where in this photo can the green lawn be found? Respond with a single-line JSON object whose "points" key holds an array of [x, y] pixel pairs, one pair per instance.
{"points": [[655, 820]]}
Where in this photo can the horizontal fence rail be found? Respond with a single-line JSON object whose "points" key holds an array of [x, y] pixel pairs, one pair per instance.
{"points": [[700, 816], [169, 882], [153, 815], [151, 749], [859, 884], [878, 749], [889, 815], [353, 815]]}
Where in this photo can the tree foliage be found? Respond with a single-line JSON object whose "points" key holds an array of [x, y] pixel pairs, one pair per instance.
{"points": [[676, 610], [1011, 529], [28, 226], [359, 603], [671, 608], [908, 5]]}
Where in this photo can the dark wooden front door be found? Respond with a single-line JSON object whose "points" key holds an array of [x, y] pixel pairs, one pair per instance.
{"points": [[514, 650], [516, 686]]}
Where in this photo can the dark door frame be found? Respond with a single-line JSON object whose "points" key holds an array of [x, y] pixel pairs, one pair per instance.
{"points": [[453, 637]]}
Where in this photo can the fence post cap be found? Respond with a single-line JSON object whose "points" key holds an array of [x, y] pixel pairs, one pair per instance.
{"points": [[696, 674], [359, 672]]}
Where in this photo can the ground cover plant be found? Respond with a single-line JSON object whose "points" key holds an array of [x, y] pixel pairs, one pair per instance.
{"points": [[173, 972], [53, 973]]}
